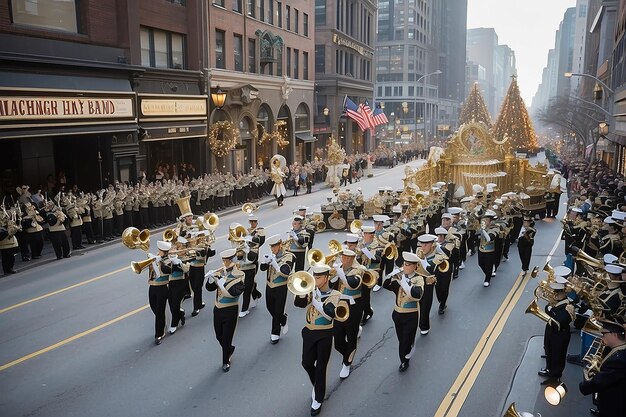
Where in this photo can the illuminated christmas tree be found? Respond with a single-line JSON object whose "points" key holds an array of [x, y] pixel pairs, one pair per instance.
{"points": [[514, 121], [475, 109]]}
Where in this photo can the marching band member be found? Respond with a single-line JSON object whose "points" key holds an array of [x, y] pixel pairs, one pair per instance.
{"points": [[574, 234], [308, 225], [611, 242], [158, 292], [453, 235], [486, 247], [387, 265], [610, 382], [299, 239], [348, 278], [317, 334], [371, 256], [430, 256], [177, 288], [447, 243], [557, 331], [254, 242], [227, 282], [525, 242], [279, 265], [408, 288], [278, 190]]}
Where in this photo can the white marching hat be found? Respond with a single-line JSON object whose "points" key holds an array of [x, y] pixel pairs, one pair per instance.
{"points": [[609, 220], [490, 213], [164, 246], [228, 253], [455, 210], [348, 252], [367, 229], [609, 258], [560, 280], [427, 237], [562, 271], [441, 231], [321, 269], [297, 217], [557, 286], [613, 269], [252, 218], [300, 208], [446, 216], [618, 215], [352, 238], [410, 257], [380, 217], [273, 240]]}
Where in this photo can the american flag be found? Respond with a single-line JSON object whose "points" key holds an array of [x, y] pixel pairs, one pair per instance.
{"points": [[354, 112], [366, 110], [380, 118]]}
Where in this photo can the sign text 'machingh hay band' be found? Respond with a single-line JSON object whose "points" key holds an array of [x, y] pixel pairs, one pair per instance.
{"points": [[25, 108]]}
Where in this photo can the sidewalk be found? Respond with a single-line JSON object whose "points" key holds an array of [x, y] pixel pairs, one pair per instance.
{"points": [[48, 254]]}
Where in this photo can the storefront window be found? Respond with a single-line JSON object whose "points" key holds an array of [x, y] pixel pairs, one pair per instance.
{"points": [[238, 51], [302, 118], [49, 14], [162, 49]]}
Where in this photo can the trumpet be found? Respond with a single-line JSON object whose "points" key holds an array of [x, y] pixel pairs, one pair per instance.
{"points": [[138, 267]]}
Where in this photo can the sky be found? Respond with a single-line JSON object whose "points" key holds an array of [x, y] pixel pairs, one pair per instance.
{"points": [[526, 26]]}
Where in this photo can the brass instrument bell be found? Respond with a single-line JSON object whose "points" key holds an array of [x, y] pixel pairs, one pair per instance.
{"points": [[342, 311], [320, 226], [315, 257], [236, 232], [355, 226], [390, 251], [369, 279], [301, 283], [249, 208], [138, 267], [511, 411], [170, 235], [534, 309], [334, 246]]}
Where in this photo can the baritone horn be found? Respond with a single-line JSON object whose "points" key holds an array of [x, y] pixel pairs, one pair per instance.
{"points": [[390, 251], [355, 226], [249, 208], [301, 283], [536, 311], [138, 267], [369, 278], [342, 311]]}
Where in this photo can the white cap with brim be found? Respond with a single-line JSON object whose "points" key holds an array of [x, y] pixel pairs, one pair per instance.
{"points": [[396, 209], [410, 257], [300, 208], [562, 271], [467, 199], [446, 216], [352, 238], [298, 218], [252, 218], [367, 229], [380, 217], [613, 269], [427, 237], [490, 213], [454, 210], [561, 280], [348, 252], [228, 253], [609, 220], [557, 286], [618, 215], [273, 240], [320, 269], [164, 246], [576, 210], [441, 231], [609, 258]]}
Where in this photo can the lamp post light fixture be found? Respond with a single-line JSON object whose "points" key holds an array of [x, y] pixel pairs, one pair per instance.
{"points": [[218, 98], [603, 129], [598, 81], [325, 111]]}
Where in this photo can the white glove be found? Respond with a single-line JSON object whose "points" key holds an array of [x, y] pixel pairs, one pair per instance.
{"points": [[157, 258], [337, 264], [405, 285], [275, 264], [176, 261], [425, 263], [318, 304], [395, 271], [294, 235], [341, 274], [368, 253], [220, 282], [210, 275], [266, 259], [248, 238]]}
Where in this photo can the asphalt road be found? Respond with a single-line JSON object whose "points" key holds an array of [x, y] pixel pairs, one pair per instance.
{"points": [[88, 350]]}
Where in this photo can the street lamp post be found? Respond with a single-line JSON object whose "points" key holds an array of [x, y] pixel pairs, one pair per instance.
{"points": [[417, 83]]}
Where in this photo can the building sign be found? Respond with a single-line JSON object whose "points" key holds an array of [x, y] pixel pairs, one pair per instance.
{"points": [[174, 132], [49, 108], [150, 107], [351, 44]]}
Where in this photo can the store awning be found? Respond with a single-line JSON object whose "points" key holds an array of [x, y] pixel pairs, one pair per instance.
{"points": [[305, 137], [70, 84], [150, 132], [36, 132]]}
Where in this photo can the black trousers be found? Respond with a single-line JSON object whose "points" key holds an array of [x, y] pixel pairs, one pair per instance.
{"points": [[107, 228], [128, 218], [426, 303], [406, 329], [555, 344], [144, 218], [157, 295], [250, 289], [275, 300], [118, 224], [98, 223], [225, 323], [442, 287], [77, 237], [88, 230], [525, 251], [8, 258], [316, 349], [196, 281], [299, 262], [486, 261], [22, 242], [366, 299], [346, 333], [177, 291], [35, 241], [499, 245], [60, 244]]}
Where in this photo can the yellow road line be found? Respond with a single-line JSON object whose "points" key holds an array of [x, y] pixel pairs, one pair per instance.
{"points": [[50, 294], [71, 339], [454, 399]]}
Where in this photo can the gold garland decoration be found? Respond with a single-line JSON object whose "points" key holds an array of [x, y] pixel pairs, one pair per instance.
{"points": [[276, 135], [230, 137]]}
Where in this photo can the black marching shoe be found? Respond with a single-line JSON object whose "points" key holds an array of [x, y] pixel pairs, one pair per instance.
{"points": [[10, 271], [195, 313], [403, 366], [442, 309], [158, 340], [594, 411], [544, 373], [316, 411], [202, 306], [226, 367], [182, 318], [366, 318]]}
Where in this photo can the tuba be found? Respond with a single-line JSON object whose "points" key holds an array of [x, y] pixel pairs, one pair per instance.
{"points": [[355, 226], [300, 283], [138, 267], [249, 208]]}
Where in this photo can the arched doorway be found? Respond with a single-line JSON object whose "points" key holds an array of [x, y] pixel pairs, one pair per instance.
{"points": [[304, 140], [243, 152], [284, 125], [264, 123]]}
